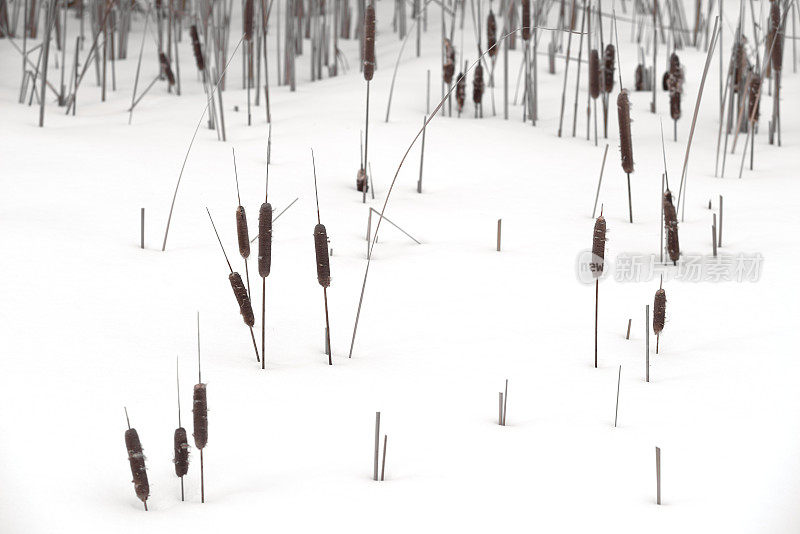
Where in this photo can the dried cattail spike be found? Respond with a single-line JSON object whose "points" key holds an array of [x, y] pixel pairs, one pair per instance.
{"points": [[526, 20], [369, 42], [675, 85], [361, 180], [138, 470], [461, 91], [594, 73], [240, 292], [775, 31], [323, 260], [166, 68], [491, 34], [608, 68], [248, 20], [200, 412], [449, 67], [264, 239], [181, 459], [659, 310], [242, 232], [675, 105], [752, 104], [638, 84], [198, 51], [737, 75], [665, 81], [671, 227], [598, 246], [477, 85], [624, 118]]}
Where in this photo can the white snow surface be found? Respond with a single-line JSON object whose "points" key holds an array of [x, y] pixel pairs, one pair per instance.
{"points": [[91, 323]]}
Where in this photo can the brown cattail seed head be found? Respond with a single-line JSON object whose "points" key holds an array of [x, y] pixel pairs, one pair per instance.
{"points": [[240, 292], [671, 227], [638, 84], [753, 96], [477, 85], [491, 34], [608, 68], [675, 85], [449, 67], [461, 91], [598, 247], [264, 239], [136, 459], [198, 51], [200, 413], [775, 31], [526, 20], [248, 20], [737, 74], [181, 459], [323, 260], [166, 68], [369, 42], [659, 311], [361, 180], [594, 74], [624, 118], [242, 233], [665, 81]]}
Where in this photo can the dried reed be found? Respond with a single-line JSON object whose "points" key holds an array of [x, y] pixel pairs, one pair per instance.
{"points": [[671, 227], [626, 147], [136, 460]]}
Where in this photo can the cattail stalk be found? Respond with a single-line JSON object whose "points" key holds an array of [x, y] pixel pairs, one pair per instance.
{"points": [[242, 232], [369, 71], [671, 227], [264, 259], [659, 309], [626, 147], [200, 415]]}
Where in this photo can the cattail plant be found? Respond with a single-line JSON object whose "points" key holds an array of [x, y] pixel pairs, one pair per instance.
{"points": [[167, 69], [264, 260], [239, 291], [659, 310], [753, 110], [197, 49], [461, 91], [323, 262], [136, 459], [242, 233], [248, 38], [361, 180], [477, 89], [675, 83], [181, 443], [369, 71], [671, 227], [598, 260], [491, 34], [626, 147], [526, 37], [200, 415], [526, 20]]}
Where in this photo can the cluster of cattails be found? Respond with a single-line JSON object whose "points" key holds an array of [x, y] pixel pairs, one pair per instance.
{"points": [[675, 86], [491, 34], [166, 69], [449, 67], [671, 227], [659, 313], [136, 459]]}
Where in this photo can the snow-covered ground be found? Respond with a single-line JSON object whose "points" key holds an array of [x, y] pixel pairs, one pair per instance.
{"points": [[91, 323]]}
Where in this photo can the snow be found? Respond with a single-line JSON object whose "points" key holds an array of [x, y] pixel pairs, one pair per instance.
{"points": [[92, 323]]}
